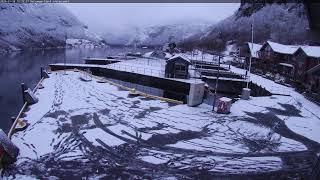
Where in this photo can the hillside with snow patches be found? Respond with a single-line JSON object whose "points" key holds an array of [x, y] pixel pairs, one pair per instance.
{"points": [[156, 35], [25, 26], [281, 22]]}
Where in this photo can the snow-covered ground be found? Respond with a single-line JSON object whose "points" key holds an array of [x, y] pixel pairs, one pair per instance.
{"points": [[89, 128], [147, 66]]}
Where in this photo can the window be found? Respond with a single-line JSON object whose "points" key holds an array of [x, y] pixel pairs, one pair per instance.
{"points": [[180, 67]]}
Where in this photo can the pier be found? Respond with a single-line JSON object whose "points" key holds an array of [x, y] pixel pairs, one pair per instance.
{"points": [[101, 61], [192, 88], [83, 127]]}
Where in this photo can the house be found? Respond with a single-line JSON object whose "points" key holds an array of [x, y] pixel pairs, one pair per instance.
{"points": [[314, 79], [251, 49], [177, 67], [278, 58], [306, 60]]}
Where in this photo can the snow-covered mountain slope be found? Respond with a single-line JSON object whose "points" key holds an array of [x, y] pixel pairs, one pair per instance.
{"points": [[24, 26], [281, 22], [156, 35]]}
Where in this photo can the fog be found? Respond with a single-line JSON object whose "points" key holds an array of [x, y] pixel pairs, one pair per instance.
{"points": [[120, 16]]}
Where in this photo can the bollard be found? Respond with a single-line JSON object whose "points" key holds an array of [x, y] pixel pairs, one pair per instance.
{"points": [[246, 93], [13, 119], [29, 97], [23, 88]]}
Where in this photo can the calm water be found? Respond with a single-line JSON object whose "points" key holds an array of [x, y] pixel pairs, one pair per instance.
{"points": [[24, 67]]}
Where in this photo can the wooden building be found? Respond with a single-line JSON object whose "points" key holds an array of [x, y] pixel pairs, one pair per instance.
{"points": [[278, 58], [251, 49], [177, 67], [306, 60]]}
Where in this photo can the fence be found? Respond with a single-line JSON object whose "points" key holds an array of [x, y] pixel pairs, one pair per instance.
{"points": [[137, 69]]}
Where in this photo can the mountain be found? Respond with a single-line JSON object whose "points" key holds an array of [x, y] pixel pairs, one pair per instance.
{"points": [[281, 22], [156, 35], [24, 26]]}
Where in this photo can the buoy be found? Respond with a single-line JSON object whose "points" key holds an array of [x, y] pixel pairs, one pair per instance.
{"points": [[21, 125], [133, 92]]}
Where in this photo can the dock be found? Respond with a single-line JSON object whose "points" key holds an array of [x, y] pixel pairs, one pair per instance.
{"points": [[101, 61], [193, 89], [84, 127]]}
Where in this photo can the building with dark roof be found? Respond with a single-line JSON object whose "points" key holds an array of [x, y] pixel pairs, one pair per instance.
{"points": [[177, 67]]}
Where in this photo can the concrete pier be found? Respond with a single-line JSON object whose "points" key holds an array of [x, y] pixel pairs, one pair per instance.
{"points": [[194, 90], [101, 61]]}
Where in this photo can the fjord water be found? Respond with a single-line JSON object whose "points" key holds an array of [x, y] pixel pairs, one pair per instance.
{"points": [[24, 67]]}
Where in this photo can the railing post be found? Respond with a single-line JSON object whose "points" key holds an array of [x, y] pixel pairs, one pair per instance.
{"points": [[41, 72], [23, 88]]}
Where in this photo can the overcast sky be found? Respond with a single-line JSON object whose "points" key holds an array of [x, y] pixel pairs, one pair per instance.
{"points": [[113, 16]]}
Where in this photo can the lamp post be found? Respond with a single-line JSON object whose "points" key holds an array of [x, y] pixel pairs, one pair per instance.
{"points": [[65, 49], [248, 78], [216, 88]]}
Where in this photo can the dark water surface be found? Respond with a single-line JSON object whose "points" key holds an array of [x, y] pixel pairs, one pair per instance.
{"points": [[24, 67]]}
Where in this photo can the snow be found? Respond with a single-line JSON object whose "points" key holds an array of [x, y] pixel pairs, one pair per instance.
{"points": [[201, 56], [73, 117], [254, 48], [153, 160], [150, 67], [225, 99], [32, 21], [281, 48], [179, 56], [286, 64], [148, 54], [307, 125], [156, 35], [93, 134], [167, 56], [311, 51]]}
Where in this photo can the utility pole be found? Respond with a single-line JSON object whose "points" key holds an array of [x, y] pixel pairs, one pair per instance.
{"points": [[65, 49], [248, 78], [216, 88], [246, 91]]}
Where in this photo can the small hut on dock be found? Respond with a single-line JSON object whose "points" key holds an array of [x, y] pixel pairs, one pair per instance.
{"points": [[177, 67]]}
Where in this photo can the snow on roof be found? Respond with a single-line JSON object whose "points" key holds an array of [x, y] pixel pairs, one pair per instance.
{"points": [[148, 54], [177, 56], [286, 64], [311, 51], [281, 48], [168, 55], [225, 99], [254, 48]]}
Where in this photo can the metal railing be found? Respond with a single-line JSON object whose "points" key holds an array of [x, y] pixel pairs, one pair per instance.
{"points": [[136, 69]]}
